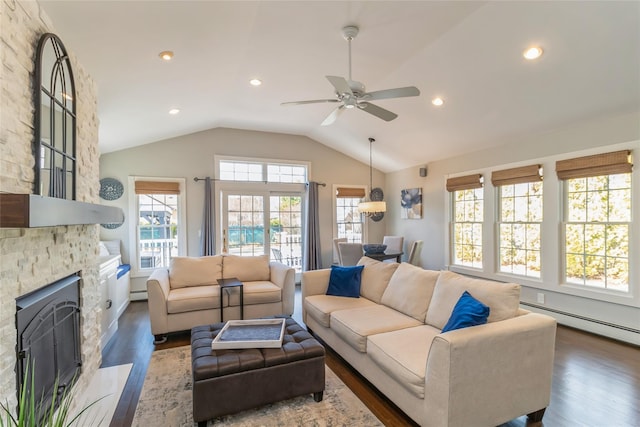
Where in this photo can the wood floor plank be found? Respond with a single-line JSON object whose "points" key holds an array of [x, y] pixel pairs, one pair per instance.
{"points": [[596, 380]]}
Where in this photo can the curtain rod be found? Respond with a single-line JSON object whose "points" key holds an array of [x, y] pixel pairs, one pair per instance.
{"points": [[320, 183]]}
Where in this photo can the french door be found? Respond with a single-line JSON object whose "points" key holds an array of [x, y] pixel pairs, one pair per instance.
{"points": [[258, 223]]}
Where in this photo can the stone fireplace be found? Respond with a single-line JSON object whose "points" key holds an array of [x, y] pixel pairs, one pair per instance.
{"points": [[48, 348], [31, 258]]}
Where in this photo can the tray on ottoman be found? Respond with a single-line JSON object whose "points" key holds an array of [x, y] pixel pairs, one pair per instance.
{"points": [[256, 333]]}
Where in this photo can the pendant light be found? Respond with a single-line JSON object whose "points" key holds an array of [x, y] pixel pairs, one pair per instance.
{"points": [[369, 207]]}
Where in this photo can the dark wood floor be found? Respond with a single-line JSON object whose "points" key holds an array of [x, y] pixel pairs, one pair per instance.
{"points": [[596, 380]]}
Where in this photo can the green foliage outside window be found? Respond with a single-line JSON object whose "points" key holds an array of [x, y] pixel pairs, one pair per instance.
{"points": [[597, 231]]}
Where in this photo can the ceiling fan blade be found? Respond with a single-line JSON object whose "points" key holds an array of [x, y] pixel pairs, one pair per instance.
{"points": [[399, 92], [379, 112], [333, 116], [313, 101], [340, 84]]}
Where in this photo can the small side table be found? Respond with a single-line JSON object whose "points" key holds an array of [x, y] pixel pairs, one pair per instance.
{"points": [[231, 282]]}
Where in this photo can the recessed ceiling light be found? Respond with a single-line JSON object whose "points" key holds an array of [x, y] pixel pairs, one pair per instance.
{"points": [[174, 111], [532, 52], [255, 82], [437, 101], [167, 55]]}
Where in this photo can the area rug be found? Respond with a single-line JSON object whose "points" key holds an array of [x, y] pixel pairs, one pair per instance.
{"points": [[165, 400]]}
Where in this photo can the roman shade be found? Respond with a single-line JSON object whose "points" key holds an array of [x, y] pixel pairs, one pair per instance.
{"points": [[350, 192], [467, 182], [518, 175], [157, 187], [598, 164]]}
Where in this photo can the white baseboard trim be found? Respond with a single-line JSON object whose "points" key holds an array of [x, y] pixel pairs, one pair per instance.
{"points": [[620, 333], [138, 295]]}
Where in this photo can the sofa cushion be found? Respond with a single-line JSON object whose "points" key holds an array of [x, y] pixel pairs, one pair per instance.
{"points": [[320, 307], [193, 298], [503, 299], [257, 292], [410, 290], [345, 281], [375, 277], [195, 271], [246, 268], [354, 326], [403, 355], [467, 312]]}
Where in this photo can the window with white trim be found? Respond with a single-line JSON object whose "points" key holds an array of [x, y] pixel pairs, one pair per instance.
{"points": [[349, 221], [597, 220], [519, 220], [160, 221], [258, 170], [467, 218]]}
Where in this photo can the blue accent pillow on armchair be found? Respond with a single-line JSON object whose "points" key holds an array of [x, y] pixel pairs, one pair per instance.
{"points": [[345, 281], [468, 311]]}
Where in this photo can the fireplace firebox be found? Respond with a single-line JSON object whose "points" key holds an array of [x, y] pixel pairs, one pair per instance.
{"points": [[48, 345]]}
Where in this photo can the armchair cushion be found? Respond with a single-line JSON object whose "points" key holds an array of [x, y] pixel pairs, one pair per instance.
{"points": [[468, 311], [195, 271], [345, 281]]}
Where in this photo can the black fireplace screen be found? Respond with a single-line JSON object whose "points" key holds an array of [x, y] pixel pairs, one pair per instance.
{"points": [[48, 325]]}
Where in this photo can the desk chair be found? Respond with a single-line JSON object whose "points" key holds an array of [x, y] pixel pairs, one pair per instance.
{"points": [[414, 253], [336, 250], [350, 253]]}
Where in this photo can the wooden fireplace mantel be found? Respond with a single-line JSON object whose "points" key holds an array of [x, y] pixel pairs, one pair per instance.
{"points": [[32, 210]]}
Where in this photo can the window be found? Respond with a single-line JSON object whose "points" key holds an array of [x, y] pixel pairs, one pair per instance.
{"points": [[349, 221], [468, 213], [262, 203], [257, 170], [159, 230], [519, 220], [597, 223]]}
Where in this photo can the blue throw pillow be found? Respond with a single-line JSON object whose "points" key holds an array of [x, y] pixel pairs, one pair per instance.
{"points": [[468, 311], [345, 281]]}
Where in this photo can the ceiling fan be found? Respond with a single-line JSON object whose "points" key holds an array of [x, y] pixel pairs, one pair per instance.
{"points": [[352, 94]]}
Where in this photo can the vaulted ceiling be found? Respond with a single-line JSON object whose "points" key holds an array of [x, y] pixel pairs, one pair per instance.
{"points": [[468, 53]]}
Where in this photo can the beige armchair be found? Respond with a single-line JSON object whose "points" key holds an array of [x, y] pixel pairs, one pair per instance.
{"points": [[187, 293]]}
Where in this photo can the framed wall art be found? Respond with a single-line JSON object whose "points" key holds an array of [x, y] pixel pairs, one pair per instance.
{"points": [[411, 203]]}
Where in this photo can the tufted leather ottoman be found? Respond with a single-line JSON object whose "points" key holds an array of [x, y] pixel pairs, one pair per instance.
{"points": [[229, 381]]}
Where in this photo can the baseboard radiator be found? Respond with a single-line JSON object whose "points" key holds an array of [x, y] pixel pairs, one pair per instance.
{"points": [[599, 327]]}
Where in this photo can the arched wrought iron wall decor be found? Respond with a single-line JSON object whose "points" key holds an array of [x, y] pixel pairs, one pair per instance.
{"points": [[55, 121]]}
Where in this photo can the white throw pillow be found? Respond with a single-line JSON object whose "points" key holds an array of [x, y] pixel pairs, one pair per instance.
{"points": [[410, 290], [103, 250]]}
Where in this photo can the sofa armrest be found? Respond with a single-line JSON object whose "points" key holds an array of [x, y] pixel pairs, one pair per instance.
{"points": [[489, 374], [158, 288], [315, 282], [284, 277]]}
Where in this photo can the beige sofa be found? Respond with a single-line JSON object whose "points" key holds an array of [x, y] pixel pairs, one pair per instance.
{"points": [[187, 293], [477, 376]]}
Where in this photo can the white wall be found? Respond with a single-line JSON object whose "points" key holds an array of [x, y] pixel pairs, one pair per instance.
{"points": [[193, 156], [433, 227]]}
